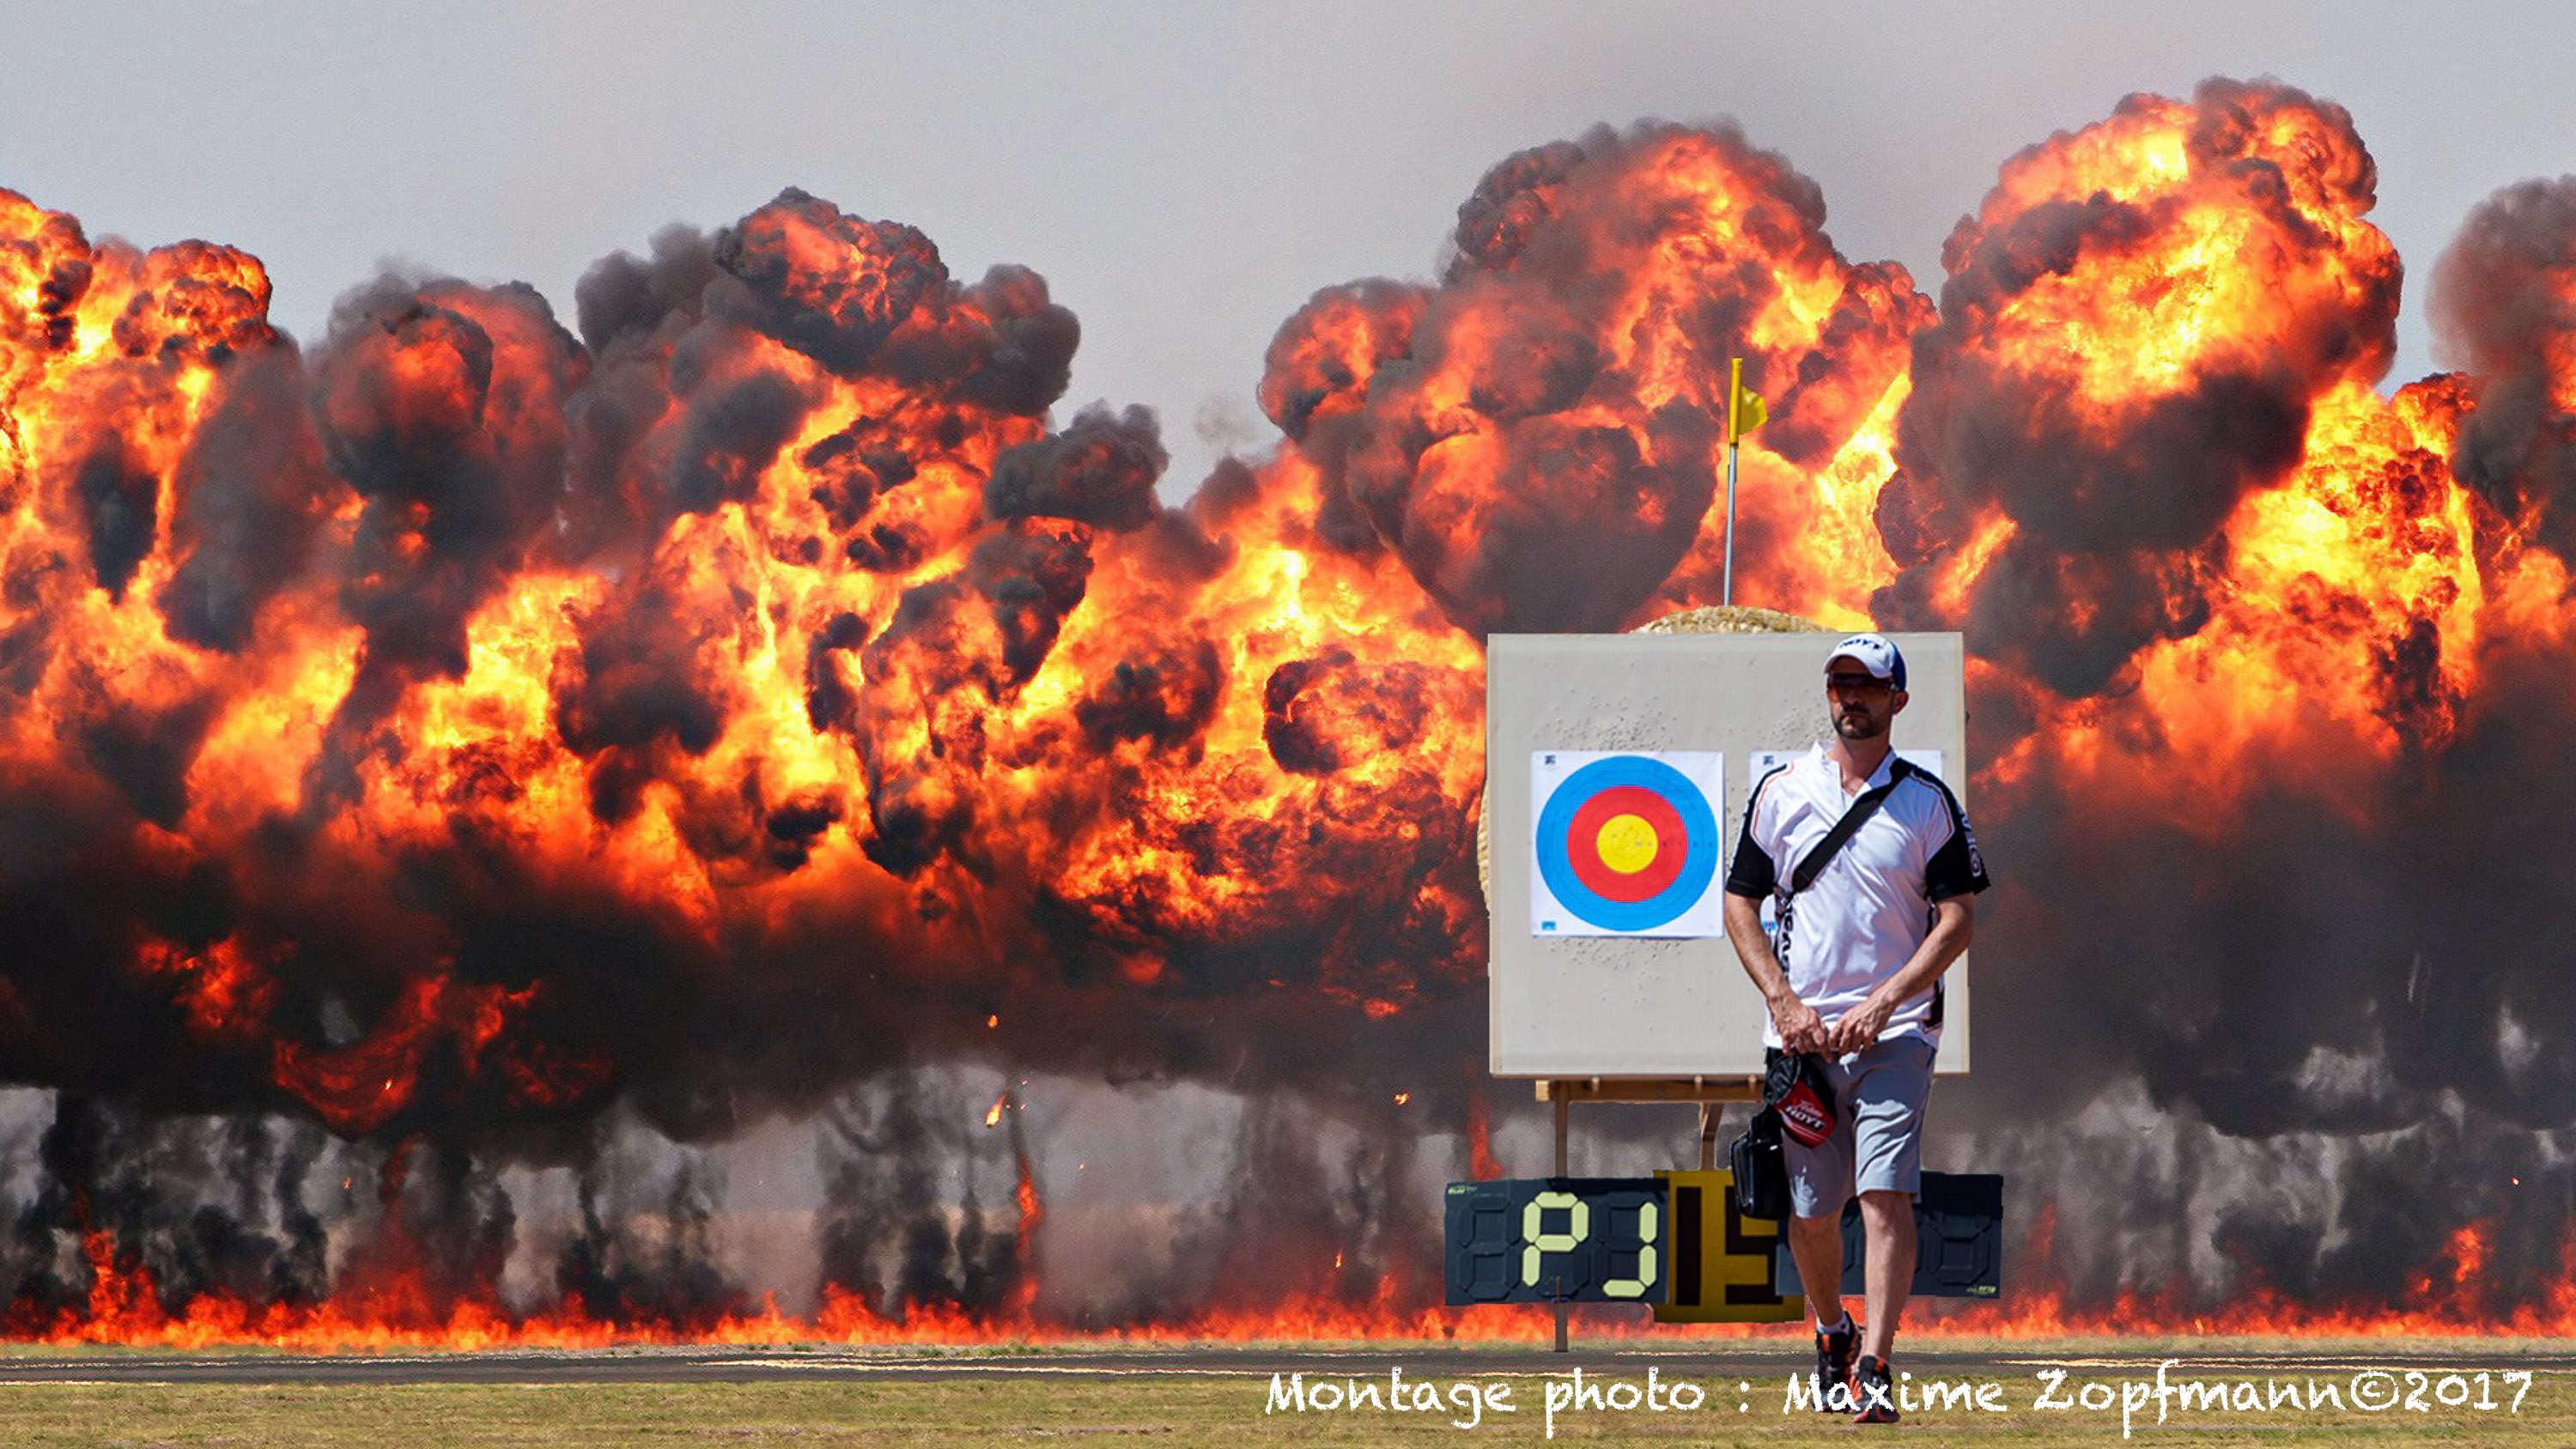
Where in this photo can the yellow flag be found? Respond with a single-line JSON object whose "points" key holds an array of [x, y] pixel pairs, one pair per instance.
{"points": [[1744, 411]]}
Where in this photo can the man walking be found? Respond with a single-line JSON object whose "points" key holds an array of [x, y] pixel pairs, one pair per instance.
{"points": [[1854, 977]]}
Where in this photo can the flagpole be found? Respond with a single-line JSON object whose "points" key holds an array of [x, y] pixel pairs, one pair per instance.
{"points": [[1734, 414], [1726, 589]]}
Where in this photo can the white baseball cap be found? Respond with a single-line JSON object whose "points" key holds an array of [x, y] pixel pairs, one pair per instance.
{"points": [[1875, 653]]}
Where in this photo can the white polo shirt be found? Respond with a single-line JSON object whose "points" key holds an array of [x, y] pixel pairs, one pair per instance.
{"points": [[1871, 906]]}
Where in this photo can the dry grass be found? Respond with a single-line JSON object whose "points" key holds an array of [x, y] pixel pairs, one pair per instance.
{"points": [[1187, 1403]]}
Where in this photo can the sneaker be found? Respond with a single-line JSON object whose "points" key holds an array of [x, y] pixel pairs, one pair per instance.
{"points": [[1874, 1391], [1833, 1368]]}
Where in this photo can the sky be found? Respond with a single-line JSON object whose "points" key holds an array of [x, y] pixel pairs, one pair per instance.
{"points": [[1185, 175]]}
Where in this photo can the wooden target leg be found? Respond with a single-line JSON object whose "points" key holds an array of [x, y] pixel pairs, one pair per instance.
{"points": [[1561, 1103]]}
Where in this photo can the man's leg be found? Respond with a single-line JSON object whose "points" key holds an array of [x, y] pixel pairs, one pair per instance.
{"points": [[1887, 1225], [1820, 1182], [1889, 1084], [1817, 1245]]}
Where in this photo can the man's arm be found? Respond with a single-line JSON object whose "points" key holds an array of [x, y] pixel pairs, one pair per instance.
{"points": [[1800, 1029], [1954, 920]]}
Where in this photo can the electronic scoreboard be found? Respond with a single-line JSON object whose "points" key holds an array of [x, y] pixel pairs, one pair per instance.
{"points": [[1675, 1241]]}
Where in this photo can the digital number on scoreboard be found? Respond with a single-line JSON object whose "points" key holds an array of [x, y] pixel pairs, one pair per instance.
{"points": [[1557, 1240]]}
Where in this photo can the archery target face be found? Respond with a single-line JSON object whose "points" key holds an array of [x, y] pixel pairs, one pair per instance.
{"points": [[1626, 844]]}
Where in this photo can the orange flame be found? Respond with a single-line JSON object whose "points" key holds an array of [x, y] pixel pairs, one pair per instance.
{"points": [[124, 1306]]}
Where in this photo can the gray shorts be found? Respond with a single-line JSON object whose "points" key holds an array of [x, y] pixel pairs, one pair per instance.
{"points": [[1878, 1121]]}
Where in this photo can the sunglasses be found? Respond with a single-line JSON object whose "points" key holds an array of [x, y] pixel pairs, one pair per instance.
{"points": [[1856, 683]]}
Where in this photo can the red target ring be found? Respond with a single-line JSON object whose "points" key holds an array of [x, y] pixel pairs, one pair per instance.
{"points": [[1583, 844]]}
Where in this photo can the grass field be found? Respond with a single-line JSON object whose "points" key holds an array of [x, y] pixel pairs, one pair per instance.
{"points": [[1223, 1397]]}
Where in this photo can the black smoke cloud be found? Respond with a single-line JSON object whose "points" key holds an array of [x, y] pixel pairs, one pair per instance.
{"points": [[2334, 973], [443, 442], [2117, 504], [1522, 412], [1101, 469], [2505, 312]]}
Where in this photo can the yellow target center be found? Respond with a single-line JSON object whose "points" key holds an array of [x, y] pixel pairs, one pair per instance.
{"points": [[1627, 844]]}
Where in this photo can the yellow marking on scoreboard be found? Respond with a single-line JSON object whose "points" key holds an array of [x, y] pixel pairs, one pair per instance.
{"points": [[1739, 1277]]}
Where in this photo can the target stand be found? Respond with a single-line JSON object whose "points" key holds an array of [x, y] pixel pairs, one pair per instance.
{"points": [[1617, 770]]}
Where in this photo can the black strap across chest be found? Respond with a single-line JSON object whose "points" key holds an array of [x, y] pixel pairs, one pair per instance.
{"points": [[1857, 815]]}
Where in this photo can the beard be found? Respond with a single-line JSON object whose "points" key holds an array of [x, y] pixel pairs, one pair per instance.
{"points": [[1859, 728]]}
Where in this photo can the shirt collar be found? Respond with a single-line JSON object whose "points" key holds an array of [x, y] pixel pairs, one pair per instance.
{"points": [[1832, 773]]}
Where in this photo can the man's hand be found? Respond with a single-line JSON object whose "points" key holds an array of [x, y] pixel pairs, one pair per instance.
{"points": [[1859, 1028], [1954, 921], [1800, 1029], [1798, 1026]]}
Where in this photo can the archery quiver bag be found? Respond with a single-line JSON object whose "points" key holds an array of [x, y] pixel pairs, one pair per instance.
{"points": [[1796, 1101], [1761, 1168]]}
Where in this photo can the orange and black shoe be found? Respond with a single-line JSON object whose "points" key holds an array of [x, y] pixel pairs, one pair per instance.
{"points": [[1833, 1369], [1874, 1392]]}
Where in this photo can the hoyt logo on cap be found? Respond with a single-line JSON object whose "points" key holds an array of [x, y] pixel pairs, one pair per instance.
{"points": [[1873, 652]]}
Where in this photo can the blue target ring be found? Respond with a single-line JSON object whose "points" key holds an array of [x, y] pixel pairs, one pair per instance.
{"points": [[1557, 847]]}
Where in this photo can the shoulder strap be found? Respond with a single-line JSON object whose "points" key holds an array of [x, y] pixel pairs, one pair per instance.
{"points": [[1854, 818]]}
